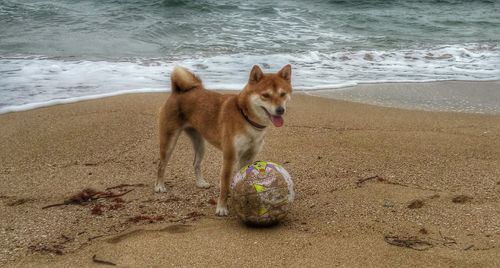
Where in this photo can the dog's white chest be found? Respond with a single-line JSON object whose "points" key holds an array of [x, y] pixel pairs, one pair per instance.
{"points": [[248, 145]]}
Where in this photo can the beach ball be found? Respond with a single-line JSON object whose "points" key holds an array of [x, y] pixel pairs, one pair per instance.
{"points": [[262, 193]]}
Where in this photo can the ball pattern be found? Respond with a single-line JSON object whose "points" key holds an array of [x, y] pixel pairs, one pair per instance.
{"points": [[262, 193]]}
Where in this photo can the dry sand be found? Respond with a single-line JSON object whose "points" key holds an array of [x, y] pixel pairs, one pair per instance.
{"points": [[375, 187]]}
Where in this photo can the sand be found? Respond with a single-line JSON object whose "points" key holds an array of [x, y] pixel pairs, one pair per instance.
{"points": [[375, 187], [445, 96]]}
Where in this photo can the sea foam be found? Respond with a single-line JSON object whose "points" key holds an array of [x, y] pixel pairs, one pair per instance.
{"points": [[32, 82]]}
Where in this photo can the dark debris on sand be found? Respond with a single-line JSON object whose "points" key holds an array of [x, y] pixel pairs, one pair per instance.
{"points": [[460, 199], [416, 204]]}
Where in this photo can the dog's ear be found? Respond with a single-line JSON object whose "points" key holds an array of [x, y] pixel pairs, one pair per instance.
{"points": [[286, 72], [256, 74]]}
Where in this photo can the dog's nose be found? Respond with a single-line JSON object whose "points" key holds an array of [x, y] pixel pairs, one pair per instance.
{"points": [[280, 110]]}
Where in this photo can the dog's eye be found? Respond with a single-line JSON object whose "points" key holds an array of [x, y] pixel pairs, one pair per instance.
{"points": [[266, 95], [283, 94]]}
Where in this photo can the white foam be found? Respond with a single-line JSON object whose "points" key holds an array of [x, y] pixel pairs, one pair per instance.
{"points": [[36, 105], [37, 81], [327, 87]]}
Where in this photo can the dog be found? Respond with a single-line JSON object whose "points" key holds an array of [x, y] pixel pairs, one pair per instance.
{"points": [[235, 124]]}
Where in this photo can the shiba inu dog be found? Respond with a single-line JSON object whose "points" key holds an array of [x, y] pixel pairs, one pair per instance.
{"points": [[235, 124]]}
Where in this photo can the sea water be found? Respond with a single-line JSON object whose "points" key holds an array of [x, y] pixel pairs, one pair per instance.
{"points": [[60, 51]]}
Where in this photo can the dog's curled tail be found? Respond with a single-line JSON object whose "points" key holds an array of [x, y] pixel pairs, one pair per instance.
{"points": [[183, 80]]}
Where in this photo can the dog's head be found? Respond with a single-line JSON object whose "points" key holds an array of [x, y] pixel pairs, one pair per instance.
{"points": [[268, 94]]}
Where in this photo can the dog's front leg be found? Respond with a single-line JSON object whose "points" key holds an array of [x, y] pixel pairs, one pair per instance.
{"points": [[227, 172]]}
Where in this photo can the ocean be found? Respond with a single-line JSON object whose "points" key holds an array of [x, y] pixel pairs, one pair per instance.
{"points": [[61, 51]]}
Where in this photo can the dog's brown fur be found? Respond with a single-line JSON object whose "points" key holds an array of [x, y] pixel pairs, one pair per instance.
{"points": [[220, 119]]}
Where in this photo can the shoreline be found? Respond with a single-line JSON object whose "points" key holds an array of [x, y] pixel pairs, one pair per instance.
{"points": [[481, 97], [386, 94]]}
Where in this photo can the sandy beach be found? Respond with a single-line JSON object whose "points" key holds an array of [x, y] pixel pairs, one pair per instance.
{"points": [[443, 96], [375, 186]]}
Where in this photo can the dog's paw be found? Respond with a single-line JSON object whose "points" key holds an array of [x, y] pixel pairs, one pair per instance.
{"points": [[221, 211], [202, 184], [160, 187]]}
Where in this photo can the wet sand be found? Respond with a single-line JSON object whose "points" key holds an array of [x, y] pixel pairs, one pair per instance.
{"points": [[446, 96], [375, 186]]}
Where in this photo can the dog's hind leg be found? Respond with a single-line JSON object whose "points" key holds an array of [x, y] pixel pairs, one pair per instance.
{"points": [[168, 138], [199, 152]]}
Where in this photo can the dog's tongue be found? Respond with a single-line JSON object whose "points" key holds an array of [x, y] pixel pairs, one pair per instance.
{"points": [[277, 120]]}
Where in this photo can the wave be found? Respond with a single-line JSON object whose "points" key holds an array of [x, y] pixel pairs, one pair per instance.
{"points": [[36, 105], [31, 82]]}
